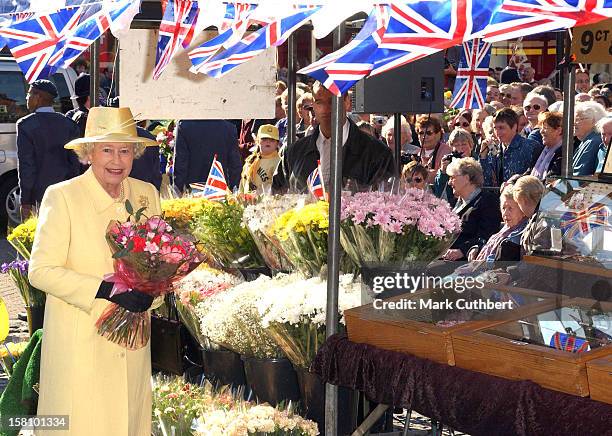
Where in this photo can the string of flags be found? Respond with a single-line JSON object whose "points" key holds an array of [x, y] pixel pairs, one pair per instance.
{"points": [[395, 32]]}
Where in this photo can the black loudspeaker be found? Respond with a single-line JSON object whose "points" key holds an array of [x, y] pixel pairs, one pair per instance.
{"points": [[416, 87]]}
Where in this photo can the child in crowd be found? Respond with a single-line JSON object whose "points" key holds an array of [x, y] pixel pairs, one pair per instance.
{"points": [[259, 167]]}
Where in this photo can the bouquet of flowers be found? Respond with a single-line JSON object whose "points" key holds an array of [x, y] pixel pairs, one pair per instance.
{"points": [[165, 139], [249, 419], [231, 318], [294, 314], [149, 256], [182, 409], [302, 233], [219, 226], [22, 237], [380, 227], [203, 283], [179, 212], [18, 271], [259, 219]]}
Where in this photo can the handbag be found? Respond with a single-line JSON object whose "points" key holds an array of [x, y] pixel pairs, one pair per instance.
{"points": [[170, 340]]}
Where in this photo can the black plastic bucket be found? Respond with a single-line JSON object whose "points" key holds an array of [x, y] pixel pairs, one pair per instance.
{"points": [[271, 380], [223, 367]]}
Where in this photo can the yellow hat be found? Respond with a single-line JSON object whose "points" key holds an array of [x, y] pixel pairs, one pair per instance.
{"points": [[109, 124], [267, 131]]}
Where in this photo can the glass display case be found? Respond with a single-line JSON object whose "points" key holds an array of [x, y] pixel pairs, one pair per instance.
{"points": [[550, 347], [422, 323], [574, 223]]}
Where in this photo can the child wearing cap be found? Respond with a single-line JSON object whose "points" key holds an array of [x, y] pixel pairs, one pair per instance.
{"points": [[259, 167]]}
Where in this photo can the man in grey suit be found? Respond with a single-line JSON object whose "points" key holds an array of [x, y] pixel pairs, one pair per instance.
{"points": [[197, 142], [42, 159]]}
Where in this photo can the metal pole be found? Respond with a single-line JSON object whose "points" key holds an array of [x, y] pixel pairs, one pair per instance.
{"points": [[116, 68], [94, 68], [313, 47], [333, 241], [397, 136], [569, 82], [291, 100], [560, 43]]}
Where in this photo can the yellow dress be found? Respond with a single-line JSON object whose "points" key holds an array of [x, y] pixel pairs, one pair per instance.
{"points": [[105, 389]]}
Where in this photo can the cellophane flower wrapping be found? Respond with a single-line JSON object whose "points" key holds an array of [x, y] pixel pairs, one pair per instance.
{"points": [[302, 233], [148, 256], [398, 229], [184, 409], [219, 227], [294, 314], [231, 319], [203, 283], [18, 271], [259, 219]]}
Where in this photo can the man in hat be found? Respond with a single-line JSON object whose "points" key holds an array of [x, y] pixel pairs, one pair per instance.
{"points": [[197, 142], [81, 96], [41, 136]]}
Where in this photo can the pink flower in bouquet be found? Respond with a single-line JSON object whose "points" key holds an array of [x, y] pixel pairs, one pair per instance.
{"points": [[172, 253], [151, 247], [158, 224]]}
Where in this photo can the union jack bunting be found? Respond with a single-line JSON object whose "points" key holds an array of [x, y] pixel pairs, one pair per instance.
{"points": [[95, 20], [569, 343], [338, 71], [215, 187], [37, 44], [517, 18], [315, 183], [271, 35], [175, 30], [579, 224], [471, 83], [232, 30]]}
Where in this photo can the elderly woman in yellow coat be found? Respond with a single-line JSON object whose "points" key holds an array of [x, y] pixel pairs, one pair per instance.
{"points": [[102, 387]]}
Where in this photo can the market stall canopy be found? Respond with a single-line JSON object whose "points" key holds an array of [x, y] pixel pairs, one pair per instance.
{"points": [[46, 35]]}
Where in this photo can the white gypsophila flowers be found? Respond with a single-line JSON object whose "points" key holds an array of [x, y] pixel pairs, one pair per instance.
{"points": [[260, 216]]}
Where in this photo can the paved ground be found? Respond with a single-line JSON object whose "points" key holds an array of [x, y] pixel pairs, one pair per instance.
{"points": [[9, 293]]}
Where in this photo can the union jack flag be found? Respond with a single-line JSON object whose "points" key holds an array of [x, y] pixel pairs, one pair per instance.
{"points": [[215, 187], [175, 30], [338, 71], [232, 30], [569, 343], [517, 18], [95, 20], [37, 44], [411, 31], [271, 35], [315, 183], [579, 224], [471, 84]]}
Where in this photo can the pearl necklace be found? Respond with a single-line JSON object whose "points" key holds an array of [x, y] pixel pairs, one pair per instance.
{"points": [[121, 198]]}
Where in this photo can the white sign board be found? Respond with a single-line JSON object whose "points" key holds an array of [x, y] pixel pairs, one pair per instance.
{"points": [[246, 92]]}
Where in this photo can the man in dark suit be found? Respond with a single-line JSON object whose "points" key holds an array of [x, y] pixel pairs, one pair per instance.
{"points": [[365, 160], [81, 96], [146, 167], [41, 136], [197, 142]]}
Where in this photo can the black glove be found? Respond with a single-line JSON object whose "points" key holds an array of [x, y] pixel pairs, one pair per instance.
{"points": [[134, 300]]}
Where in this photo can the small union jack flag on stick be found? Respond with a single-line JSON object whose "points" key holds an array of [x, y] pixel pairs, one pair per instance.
{"points": [[471, 83], [215, 187], [315, 183]]}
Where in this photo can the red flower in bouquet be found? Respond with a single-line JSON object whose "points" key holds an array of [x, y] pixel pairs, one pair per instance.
{"points": [[149, 256]]}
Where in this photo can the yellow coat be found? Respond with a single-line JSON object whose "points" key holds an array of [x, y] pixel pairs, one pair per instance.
{"points": [[105, 389]]}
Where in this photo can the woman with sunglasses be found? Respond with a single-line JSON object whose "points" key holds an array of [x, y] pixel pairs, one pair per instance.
{"points": [[533, 106], [433, 149], [462, 120], [462, 145], [415, 175]]}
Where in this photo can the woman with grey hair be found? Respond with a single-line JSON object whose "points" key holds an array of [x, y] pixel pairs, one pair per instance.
{"points": [[586, 116], [462, 145], [103, 387], [478, 210]]}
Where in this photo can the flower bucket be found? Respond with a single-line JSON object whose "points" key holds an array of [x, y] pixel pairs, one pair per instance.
{"points": [[36, 316], [312, 392], [272, 380], [372, 270], [223, 367]]}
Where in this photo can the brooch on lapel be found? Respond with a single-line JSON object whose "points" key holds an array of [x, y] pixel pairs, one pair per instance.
{"points": [[143, 200]]}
